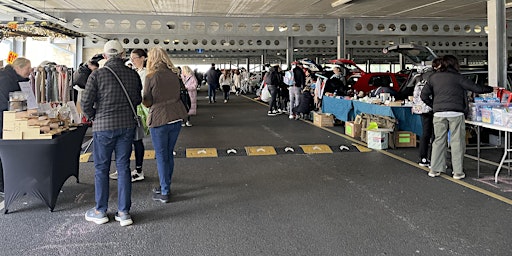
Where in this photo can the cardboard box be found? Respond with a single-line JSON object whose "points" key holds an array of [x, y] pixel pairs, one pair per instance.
{"points": [[323, 119], [378, 138], [352, 129], [405, 139]]}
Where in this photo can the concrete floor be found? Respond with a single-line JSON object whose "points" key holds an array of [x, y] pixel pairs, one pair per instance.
{"points": [[291, 203]]}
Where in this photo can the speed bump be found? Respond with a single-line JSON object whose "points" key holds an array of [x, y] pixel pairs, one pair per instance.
{"points": [[84, 158], [148, 154], [260, 151], [201, 152], [316, 149]]}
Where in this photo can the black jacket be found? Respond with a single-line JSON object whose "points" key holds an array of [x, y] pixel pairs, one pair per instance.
{"points": [[8, 83], [299, 77], [446, 91], [212, 77], [81, 74]]}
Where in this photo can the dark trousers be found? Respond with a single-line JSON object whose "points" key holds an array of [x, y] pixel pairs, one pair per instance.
{"points": [[273, 97], [428, 134], [138, 148], [226, 89]]}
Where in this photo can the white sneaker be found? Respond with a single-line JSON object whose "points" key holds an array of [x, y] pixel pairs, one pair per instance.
{"points": [[188, 124], [137, 176], [113, 175], [291, 116]]}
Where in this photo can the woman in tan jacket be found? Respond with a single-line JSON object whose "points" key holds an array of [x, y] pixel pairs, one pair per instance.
{"points": [[161, 95]]}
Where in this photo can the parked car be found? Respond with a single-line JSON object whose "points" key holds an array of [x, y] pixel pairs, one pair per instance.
{"points": [[359, 80]]}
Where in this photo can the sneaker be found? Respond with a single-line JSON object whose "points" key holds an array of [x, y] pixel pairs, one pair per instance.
{"points": [[433, 173], [182, 124], [291, 116], [157, 190], [113, 175], [225, 101], [2, 193], [279, 112], [162, 198], [459, 176], [271, 113], [136, 176], [96, 216], [188, 124], [124, 218], [424, 162]]}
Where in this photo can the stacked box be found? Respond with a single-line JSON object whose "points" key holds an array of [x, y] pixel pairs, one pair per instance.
{"points": [[405, 139], [352, 129], [323, 119], [378, 138]]}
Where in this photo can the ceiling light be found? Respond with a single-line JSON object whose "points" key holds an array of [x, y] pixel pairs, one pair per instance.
{"points": [[339, 2]]}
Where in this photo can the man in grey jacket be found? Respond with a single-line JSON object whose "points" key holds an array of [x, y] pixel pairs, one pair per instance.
{"points": [[445, 93], [105, 102]]}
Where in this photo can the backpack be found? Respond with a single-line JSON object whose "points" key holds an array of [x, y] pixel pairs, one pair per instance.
{"points": [[418, 106], [288, 78]]}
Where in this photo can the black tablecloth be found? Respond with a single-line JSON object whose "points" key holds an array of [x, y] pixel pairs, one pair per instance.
{"points": [[40, 167]]}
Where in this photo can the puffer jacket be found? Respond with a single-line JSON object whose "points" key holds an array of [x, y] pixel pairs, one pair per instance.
{"points": [[446, 91]]}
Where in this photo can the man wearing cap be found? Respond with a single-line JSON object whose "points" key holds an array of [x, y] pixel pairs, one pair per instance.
{"points": [[105, 102]]}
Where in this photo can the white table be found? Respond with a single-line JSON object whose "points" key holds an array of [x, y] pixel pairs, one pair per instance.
{"points": [[506, 156]]}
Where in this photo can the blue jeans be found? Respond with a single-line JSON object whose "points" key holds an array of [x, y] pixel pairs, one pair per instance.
{"points": [[105, 142], [164, 139], [211, 91]]}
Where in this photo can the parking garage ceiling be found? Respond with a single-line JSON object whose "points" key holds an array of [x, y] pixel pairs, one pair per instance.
{"points": [[63, 12]]}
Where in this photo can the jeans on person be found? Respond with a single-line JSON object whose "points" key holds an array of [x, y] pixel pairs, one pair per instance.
{"points": [[427, 134], [105, 143], [211, 92], [457, 127], [294, 92], [273, 97], [164, 139], [138, 148]]}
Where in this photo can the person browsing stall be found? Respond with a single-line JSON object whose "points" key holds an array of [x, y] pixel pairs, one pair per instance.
{"points": [[166, 113], [105, 102], [445, 93], [138, 58]]}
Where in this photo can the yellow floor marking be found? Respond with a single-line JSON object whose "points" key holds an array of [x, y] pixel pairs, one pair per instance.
{"points": [[316, 149], [201, 152], [149, 154], [84, 158], [361, 148], [260, 151]]}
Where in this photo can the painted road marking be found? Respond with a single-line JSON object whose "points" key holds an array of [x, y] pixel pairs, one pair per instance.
{"points": [[201, 152], [260, 151], [84, 158], [148, 154], [289, 149], [231, 151], [316, 149], [361, 148]]}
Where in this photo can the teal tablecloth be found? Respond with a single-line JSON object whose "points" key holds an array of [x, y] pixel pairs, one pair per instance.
{"points": [[346, 110]]}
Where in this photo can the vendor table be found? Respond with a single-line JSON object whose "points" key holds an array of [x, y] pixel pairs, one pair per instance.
{"points": [[506, 152], [407, 121], [40, 167], [340, 108]]}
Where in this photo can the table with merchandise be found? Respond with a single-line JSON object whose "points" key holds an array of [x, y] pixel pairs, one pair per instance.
{"points": [[39, 167]]}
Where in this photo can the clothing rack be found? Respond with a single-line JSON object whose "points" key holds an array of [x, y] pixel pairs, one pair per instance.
{"points": [[52, 83]]}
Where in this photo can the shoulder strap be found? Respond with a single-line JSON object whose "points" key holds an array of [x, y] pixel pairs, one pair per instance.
{"points": [[125, 92]]}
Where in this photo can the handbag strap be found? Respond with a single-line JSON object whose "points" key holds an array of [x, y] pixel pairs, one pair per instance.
{"points": [[125, 92]]}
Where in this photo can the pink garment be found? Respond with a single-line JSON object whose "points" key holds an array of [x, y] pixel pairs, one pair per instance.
{"points": [[190, 82]]}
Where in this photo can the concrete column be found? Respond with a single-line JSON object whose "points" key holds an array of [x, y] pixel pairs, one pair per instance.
{"points": [[289, 50], [341, 39], [497, 41]]}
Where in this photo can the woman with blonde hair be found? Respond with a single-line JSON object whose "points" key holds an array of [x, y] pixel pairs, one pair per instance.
{"points": [[161, 94], [189, 79]]}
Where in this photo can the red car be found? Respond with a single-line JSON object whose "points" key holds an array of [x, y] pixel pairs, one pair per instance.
{"points": [[359, 80]]}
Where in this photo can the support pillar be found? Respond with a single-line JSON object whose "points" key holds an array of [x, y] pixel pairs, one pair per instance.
{"points": [[497, 41]]}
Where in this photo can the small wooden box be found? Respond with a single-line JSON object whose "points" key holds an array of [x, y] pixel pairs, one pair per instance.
{"points": [[352, 129], [323, 119], [405, 139]]}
